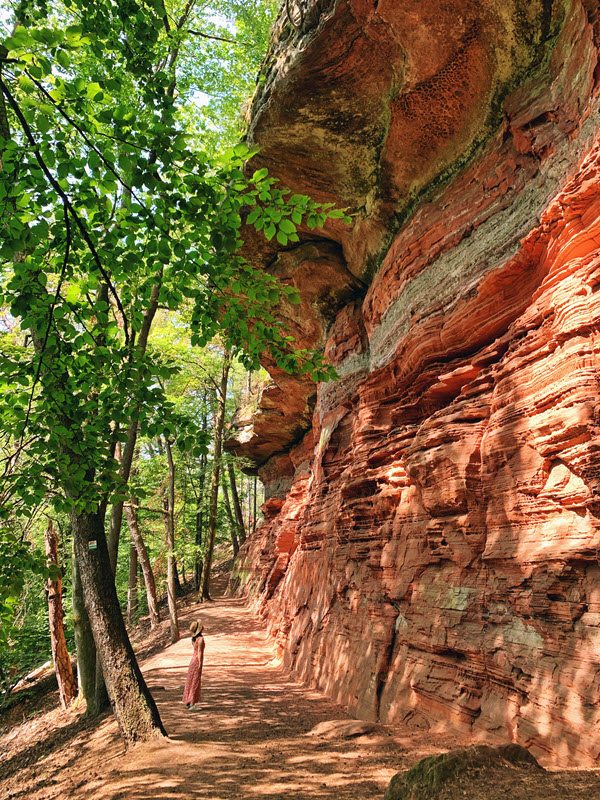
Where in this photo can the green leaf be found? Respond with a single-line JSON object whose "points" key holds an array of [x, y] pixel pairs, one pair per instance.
{"points": [[43, 123], [287, 226], [63, 58]]}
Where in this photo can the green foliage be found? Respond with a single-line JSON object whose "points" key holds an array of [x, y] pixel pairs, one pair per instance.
{"points": [[109, 213], [112, 217], [18, 561], [222, 71], [24, 634]]}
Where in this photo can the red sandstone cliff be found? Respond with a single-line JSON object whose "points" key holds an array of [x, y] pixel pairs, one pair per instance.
{"points": [[432, 534]]}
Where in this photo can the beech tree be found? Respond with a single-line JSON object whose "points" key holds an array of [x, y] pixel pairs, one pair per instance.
{"points": [[107, 212]]}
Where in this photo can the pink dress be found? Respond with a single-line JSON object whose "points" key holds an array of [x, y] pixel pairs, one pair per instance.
{"points": [[193, 684]]}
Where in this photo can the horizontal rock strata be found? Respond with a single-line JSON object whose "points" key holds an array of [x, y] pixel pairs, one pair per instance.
{"points": [[431, 538]]}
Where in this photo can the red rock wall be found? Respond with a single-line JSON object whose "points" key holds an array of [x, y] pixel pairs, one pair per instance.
{"points": [[431, 543]]}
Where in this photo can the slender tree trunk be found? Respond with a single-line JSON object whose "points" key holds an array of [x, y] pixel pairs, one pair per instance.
{"points": [[200, 513], [214, 480], [198, 561], [67, 685], [127, 455], [178, 585], [254, 512], [239, 516], [132, 585], [232, 523], [144, 560], [249, 503], [84, 644], [132, 703], [169, 504], [102, 700]]}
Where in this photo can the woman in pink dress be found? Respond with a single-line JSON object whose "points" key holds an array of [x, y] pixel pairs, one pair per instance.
{"points": [[193, 684]]}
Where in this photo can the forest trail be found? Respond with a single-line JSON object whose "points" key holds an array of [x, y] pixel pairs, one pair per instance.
{"points": [[253, 738], [250, 738]]}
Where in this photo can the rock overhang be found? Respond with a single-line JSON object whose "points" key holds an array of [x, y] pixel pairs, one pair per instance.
{"points": [[432, 534]]}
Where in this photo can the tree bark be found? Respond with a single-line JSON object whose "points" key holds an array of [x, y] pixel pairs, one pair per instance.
{"points": [[239, 516], [214, 480], [198, 562], [132, 585], [132, 703], [144, 559], [232, 523], [84, 644], [169, 504], [67, 685], [128, 451], [254, 512]]}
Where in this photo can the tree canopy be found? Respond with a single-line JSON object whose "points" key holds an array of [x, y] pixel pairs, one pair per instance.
{"points": [[110, 212], [118, 200]]}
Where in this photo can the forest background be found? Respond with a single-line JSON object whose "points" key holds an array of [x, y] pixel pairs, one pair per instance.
{"points": [[130, 323]]}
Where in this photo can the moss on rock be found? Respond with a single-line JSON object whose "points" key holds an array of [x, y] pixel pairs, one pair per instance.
{"points": [[423, 781]]}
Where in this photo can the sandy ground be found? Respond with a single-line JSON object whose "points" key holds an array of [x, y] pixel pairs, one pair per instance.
{"points": [[251, 739]]}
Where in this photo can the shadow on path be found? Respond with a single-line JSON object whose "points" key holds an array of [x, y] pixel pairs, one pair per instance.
{"points": [[249, 740]]}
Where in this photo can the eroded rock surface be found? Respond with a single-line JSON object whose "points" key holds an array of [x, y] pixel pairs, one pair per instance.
{"points": [[431, 537]]}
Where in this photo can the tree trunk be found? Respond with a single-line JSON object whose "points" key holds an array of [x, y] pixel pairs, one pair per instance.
{"points": [[128, 450], [67, 685], [169, 504], [84, 644], [249, 501], [132, 703], [254, 513], [144, 559], [200, 520], [102, 700], [236, 504], [132, 585], [198, 562], [178, 585], [232, 524], [214, 480]]}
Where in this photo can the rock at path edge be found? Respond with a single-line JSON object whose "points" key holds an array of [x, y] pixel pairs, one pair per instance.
{"points": [[422, 781]]}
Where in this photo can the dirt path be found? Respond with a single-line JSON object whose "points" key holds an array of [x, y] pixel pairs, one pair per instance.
{"points": [[251, 739]]}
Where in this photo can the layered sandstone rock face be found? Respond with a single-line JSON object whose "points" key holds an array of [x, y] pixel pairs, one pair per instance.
{"points": [[432, 533]]}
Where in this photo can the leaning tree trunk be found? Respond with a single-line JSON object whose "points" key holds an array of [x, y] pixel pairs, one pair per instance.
{"points": [[170, 542], [67, 685], [214, 480], [144, 559], [132, 703]]}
